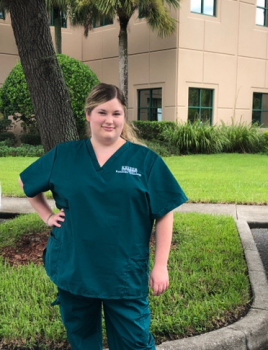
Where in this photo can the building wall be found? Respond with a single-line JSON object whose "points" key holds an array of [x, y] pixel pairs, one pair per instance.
{"points": [[227, 53], [8, 49]]}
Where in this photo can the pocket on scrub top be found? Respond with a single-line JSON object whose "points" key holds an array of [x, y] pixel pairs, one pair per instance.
{"points": [[137, 273], [51, 255]]}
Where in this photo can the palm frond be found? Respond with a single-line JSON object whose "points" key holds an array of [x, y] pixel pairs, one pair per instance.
{"points": [[61, 4], [159, 19], [5, 5]]}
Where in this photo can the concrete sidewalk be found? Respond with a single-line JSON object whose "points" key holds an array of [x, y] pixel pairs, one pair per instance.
{"points": [[251, 332]]}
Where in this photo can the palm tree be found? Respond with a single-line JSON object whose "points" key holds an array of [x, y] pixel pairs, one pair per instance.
{"points": [[57, 8], [155, 11]]}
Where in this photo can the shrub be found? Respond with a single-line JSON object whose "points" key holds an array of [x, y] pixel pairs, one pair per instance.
{"points": [[31, 139], [195, 138], [15, 97], [4, 125], [22, 151], [265, 134], [243, 138], [159, 148], [8, 137], [152, 131]]}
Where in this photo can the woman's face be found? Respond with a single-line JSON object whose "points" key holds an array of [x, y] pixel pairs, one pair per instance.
{"points": [[107, 121]]}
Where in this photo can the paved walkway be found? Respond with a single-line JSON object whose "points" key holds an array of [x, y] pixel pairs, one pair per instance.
{"points": [[251, 332]]}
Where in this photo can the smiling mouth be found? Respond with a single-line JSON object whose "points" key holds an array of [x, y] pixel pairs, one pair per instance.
{"points": [[108, 128]]}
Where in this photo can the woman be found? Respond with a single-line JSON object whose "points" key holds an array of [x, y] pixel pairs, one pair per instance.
{"points": [[109, 192]]}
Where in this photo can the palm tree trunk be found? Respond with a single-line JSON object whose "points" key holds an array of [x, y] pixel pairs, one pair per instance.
{"points": [[43, 74], [123, 57], [57, 28]]}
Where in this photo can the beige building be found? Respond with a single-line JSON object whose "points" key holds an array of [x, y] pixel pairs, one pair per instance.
{"points": [[213, 68]]}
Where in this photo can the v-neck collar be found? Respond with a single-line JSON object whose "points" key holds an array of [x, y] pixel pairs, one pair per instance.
{"points": [[109, 160]]}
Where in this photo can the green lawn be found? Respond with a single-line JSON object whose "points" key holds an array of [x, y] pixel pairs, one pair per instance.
{"points": [[222, 178], [216, 178], [10, 168]]}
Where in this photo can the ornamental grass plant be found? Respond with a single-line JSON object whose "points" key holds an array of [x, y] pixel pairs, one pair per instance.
{"points": [[243, 137], [201, 138], [191, 138]]}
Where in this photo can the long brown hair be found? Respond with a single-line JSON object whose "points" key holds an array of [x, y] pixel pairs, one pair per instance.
{"points": [[102, 93]]}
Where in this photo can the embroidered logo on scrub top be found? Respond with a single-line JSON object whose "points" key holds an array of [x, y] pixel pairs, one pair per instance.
{"points": [[128, 170]]}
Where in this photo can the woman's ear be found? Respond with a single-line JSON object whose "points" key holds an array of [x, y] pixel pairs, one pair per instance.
{"points": [[87, 116]]}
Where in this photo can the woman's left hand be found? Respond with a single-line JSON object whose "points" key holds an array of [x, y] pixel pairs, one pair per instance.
{"points": [[159, 280]]}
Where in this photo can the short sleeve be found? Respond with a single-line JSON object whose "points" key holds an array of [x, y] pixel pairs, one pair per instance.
{"points": [[165, 194], [36, 177]]}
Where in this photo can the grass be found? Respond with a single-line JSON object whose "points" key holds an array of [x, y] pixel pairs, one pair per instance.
{"points": [[208, 285], [216, 178], [222, 178], [11, 167]]}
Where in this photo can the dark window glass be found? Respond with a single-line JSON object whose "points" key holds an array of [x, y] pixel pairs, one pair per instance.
{"points": [[102, 21], [63, 17], [205, 7], [193, 97], [200, 105], [2, 14], [150, 104], [257, 101], [205, 115], [193, 115], [206, 98], [260, 109]]}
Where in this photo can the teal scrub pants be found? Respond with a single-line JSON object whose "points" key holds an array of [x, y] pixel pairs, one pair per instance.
{"points": [[127, 322]]}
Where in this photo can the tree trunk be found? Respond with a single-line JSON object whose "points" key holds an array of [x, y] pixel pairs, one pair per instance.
{"points": [[123, 57], [57, 28], [43, 74]]}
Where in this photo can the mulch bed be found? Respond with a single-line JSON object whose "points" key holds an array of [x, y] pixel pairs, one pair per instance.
{"points": [[29, 248]]}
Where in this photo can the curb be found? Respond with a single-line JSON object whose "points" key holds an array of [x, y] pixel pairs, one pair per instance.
{"points": [[249, 333]]}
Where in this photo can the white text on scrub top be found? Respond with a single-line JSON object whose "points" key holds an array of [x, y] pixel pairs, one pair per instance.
{"points": [[128, 170]]}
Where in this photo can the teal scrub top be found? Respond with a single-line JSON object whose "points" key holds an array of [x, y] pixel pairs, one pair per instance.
{"points": [[101, 249]]}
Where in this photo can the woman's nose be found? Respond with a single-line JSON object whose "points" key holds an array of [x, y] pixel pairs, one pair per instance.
{"points": [[109, 119]]}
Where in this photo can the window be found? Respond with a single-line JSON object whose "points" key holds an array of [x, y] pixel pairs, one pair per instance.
{"points": [[262, 13], [260, 109], [102, 21], [63, 17], [142, 12], [150, 104], [2, 14], [205, 7], [200, 105]]}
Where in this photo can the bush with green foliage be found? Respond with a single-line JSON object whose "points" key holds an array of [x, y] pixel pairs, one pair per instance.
{"points": [[31, 139], [265, 134], [191, 138], [152, 131], [23, 150], [5, 135], [4, 125], [15, 97], [168, 138], [9, 138], [243, 138]]}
